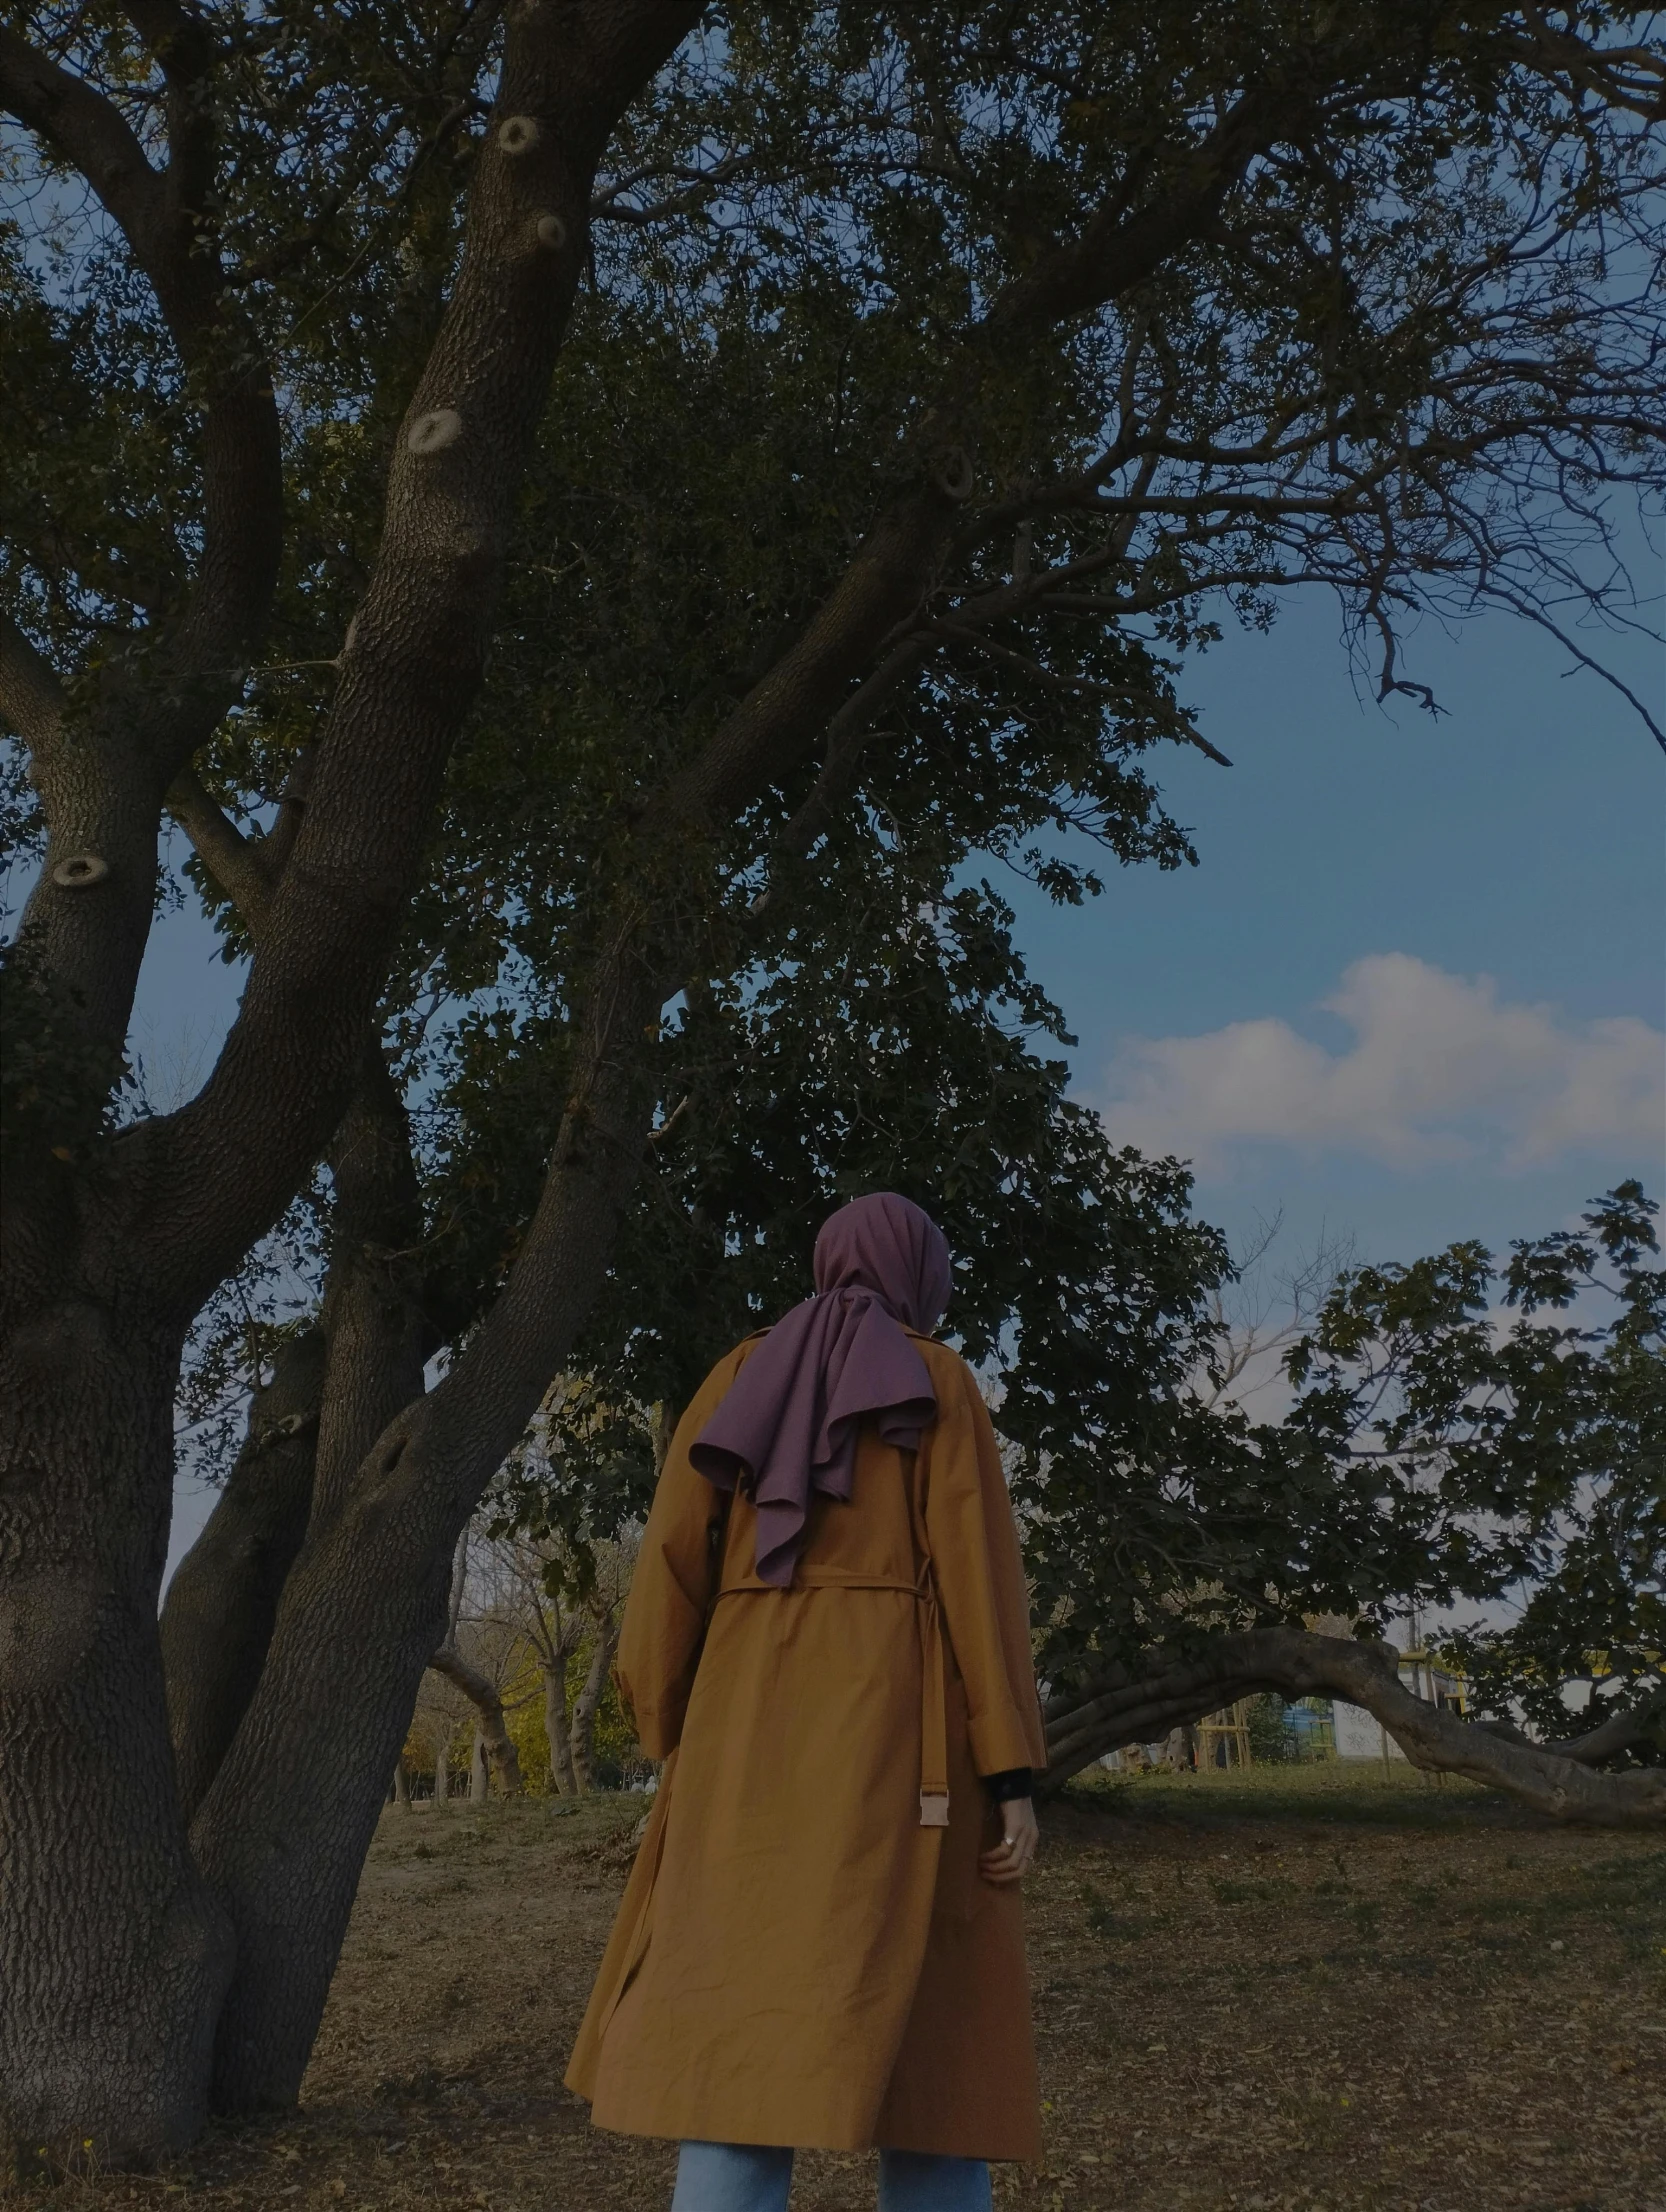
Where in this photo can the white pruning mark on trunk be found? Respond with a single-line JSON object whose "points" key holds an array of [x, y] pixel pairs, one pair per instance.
{"points": [[551, 233], [433, 433], [80, 872], [519, 135]]}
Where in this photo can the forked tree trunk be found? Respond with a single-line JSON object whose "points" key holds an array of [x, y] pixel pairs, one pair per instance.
{"points": [[116, 1953]]}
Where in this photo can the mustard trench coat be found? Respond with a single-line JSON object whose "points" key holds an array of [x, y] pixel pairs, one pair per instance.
{"points": [[800, 1958]]}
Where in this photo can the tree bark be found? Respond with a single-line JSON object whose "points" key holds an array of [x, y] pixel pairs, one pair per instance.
{"points": [[401, 1785], [218, 1614], [563, 1775], [1170, 1690], [1625, 1728], [494, 1738], [477, 1767], [374, 1312], [114, 1952], [442, 1770], [333, 1391]]}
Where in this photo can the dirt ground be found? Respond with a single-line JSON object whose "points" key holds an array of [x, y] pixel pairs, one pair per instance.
{"points": [[1317, 1990]]}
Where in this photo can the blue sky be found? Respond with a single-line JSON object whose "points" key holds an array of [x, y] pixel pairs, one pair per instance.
{"points": [[1484, 894]]}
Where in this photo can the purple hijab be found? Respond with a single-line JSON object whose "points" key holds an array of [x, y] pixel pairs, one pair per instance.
{"points": [[788, 1424]]}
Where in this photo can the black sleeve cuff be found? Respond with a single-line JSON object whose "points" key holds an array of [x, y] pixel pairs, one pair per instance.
{"points": [[1015, 1782]]}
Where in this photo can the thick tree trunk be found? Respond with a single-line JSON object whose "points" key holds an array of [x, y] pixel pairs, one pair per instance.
{"points": [[563, 1777], [114, 1954], [1170, 1690], [218, 1614], [590, 1697], [113, 1951], [498, 1746]]}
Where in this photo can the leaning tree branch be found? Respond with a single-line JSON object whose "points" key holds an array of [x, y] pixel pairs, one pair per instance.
{"points": [[1621, 1731], [1171, 1689], [500, 1747], [153, 702]]}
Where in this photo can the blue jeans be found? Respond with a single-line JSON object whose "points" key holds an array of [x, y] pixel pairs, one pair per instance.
{"points": [[752, 2177]]}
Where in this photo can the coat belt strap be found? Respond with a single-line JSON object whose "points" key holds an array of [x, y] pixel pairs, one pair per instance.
{"points": [[934, 1698]]}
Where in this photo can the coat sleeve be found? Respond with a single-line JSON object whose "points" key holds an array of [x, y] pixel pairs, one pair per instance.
{"points": [[980, 1575], [672, 1584]]}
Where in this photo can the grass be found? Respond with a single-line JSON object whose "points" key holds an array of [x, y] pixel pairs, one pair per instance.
{"points": [[1293, 1990]]}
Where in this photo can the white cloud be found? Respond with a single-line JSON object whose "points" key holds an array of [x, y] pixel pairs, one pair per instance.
{"points": [[1441, 1069]]}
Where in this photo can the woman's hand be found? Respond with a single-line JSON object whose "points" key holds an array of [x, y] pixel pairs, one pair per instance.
{"points": [[1009, 1860]]}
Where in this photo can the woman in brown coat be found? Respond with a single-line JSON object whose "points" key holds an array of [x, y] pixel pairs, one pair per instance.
{"points": [[827, 1642]]}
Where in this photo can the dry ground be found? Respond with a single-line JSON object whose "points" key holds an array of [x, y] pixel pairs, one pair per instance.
{"points": [[1308, 1989]]}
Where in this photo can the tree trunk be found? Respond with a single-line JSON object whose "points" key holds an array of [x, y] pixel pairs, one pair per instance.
{"points": [[499, 1745], [334, 1389], [590, 1697], [114, 1953], [366, 1600], [1171, 1689], [401, 1785], [442, 1771], [563, 1777], [477, 1767], [218, 1614]]}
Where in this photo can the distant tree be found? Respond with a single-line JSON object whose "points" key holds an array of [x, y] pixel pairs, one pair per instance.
{"points": [[840, 424], [1430, 1457]]}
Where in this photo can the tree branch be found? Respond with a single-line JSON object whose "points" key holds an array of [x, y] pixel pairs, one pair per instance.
{"points": [[166, 222], [1170, 1690], [233, 860], [32, 699], [500, 1748], [1629, 1725]]}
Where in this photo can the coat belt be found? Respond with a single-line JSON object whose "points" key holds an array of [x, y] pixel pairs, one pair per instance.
{"points": [[934, 1701]]}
